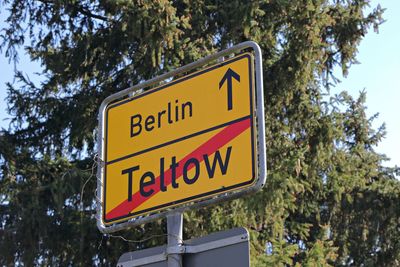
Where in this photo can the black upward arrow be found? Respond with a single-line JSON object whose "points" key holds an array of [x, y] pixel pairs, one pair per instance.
{"points": [[229, 74]]}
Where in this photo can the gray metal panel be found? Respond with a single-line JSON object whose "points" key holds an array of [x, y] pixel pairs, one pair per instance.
{"points": [[221, 249], [151, 257], [236, 255], [217, 236], [262, 165], [227, 254]]}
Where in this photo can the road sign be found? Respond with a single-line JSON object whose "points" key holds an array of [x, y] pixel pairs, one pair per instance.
{"points": [[189, 140], [221, 249]]}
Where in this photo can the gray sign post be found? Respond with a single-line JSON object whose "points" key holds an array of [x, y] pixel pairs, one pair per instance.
{"points": [[175, 239]]}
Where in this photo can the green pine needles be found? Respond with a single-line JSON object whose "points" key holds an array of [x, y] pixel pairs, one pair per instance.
{"points": [[328, 200]]}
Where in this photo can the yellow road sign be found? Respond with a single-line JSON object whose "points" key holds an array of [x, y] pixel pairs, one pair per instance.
{"points": [[188, 140]]}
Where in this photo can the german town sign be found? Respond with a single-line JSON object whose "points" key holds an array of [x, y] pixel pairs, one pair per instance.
{"points": [[192, 140]]}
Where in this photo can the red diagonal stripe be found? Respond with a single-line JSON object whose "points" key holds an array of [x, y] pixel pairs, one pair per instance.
{"points": [[207, 148]]}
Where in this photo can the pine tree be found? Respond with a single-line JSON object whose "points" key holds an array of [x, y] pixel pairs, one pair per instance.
{"points": [[328, 200]]}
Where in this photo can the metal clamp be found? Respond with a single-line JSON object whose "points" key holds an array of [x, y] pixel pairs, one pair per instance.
{"points": [[180, 249]]}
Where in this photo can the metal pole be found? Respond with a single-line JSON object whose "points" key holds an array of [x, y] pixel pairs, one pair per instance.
{"points": [[175, 239]]}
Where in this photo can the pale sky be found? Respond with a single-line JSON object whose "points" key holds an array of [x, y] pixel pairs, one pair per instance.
{"points": [[378, 73], [379, 57]]}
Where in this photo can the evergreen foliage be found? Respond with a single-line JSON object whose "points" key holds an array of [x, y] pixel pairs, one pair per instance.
{"points": [[328, 200]]}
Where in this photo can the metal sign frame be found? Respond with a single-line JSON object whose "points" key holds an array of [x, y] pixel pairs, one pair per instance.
{"points": [[134, 90]]}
